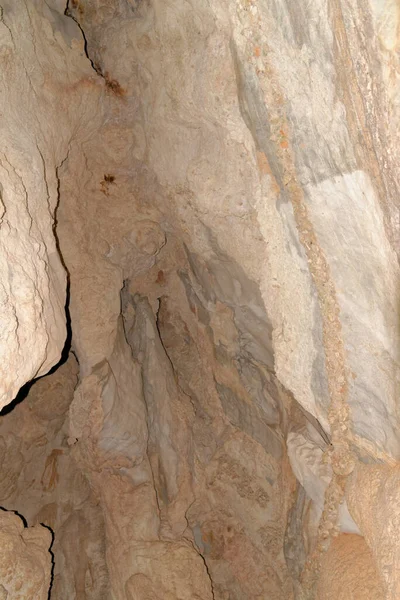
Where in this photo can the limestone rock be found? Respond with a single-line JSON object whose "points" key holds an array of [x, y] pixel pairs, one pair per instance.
{"points": [[284, 121], [348, 571], [307, 461], [373, 496], [42, 482], [219, 183], [25, 560], [40, 93]]}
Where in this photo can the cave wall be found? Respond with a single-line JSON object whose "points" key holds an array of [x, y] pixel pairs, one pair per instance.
{"points": [[301, 105], [178, 405], [218, 185], [25, 567], [41, 481], [47, 97]]}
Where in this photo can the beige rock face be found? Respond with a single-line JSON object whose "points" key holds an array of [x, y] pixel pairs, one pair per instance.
{"points": [[349, 572], [41, 92], [25, 569], [373, 495], [307, 461], [218, 184], [42, 482]]}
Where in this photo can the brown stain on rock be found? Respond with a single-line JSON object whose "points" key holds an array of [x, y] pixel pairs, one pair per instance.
{"points": [[50, 475], [113, 85]]}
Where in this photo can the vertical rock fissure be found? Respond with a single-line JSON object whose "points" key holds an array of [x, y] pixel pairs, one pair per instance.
{"points": [[173, 369], [197, 550], [53, 563], [68, 339], [69, 14]]}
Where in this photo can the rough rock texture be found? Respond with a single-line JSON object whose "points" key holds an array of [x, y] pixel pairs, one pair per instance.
{"points": [[218, 181], [373, 496], [348, 571], [42, 482], [306, 458], [166, 430], [25, 560], [47, 97]]}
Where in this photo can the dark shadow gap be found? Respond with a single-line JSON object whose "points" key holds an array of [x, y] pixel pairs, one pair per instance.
{"points": [[22, 394], [52, 559], [25, 522], [25, 389], [68, 340], [69, 13]]}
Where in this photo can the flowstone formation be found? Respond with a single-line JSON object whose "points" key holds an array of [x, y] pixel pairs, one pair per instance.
{"points": [[199, 291]]}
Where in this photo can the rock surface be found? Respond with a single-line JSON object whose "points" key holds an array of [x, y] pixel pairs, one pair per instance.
{"points": [[42, 482], [218, 183], [47, 97], [373, 496], [25, 560], [307, 461], [347, 559]]}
